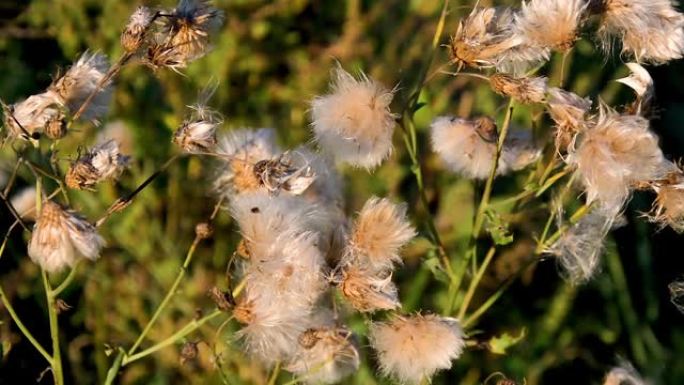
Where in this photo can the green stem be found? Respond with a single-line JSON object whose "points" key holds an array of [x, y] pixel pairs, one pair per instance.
{"points": [[69, 278], [167, 298], [24, 330], [475, 282], [274, 375], [54, 332], [187, 329], [114, 369]]}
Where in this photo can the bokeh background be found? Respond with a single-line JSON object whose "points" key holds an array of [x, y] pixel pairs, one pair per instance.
{"points": [[269, 60]]}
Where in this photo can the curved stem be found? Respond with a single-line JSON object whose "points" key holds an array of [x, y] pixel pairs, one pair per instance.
{"points": [[67, 281], [54, 332], [24, 330]]}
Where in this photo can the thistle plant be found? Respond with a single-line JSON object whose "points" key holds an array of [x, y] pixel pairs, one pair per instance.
{"points": [[303, 278]]}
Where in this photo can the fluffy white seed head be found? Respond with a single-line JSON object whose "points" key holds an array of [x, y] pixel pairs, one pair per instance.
{"points": [[641, 82], [326, 354], [616, 153], [354, 122], [415, 347], [240, 150], [568, 111], [550, 23], [468, 147], [579, 249], [80, 81], [60, 236], [327, 188], [32, 116], [650, 30], [102, 162], [378, 234], [197, 133]]}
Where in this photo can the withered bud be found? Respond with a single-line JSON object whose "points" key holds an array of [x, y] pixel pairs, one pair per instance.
{"points": [[243, 312], [189, 352], [204, 230], [133, 36], [61, 306], [486, 129], [526, 90], [55, 128], [223, 299]]}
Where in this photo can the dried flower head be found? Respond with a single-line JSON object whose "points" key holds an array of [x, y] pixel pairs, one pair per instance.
{"points": [[650, 30], [616, 153], [551, 24], [185, 34], [641, 82], [58, 236], [579, 249], [379, 232], [668, 207], [568, 111], [367, 291], [287, 172], [468, 147], [30, 118], [102, 162], [326, 355], [414, 348], [133, 35], [242, 149], [354, 122], [197, 133], [189, 352], [80, 81], [523, 89], [677, 293], [483, 37]]}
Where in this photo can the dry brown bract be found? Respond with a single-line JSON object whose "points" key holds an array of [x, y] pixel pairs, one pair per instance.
{"points": [[366, 292], [525, 90], [103, 162]]}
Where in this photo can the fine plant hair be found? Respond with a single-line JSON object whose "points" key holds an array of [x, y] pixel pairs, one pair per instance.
{"points": [[350, 254]]}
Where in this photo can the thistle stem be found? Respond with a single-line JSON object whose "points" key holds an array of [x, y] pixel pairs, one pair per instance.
{"points": [[475, 282], [54, 332], [24, 330]]}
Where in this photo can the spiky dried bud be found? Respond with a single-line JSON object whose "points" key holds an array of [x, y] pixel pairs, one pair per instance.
{"points": [[354, 122], [413, 348], [579, 249], [550, 24], [327, 354], [56, 127], [204, 230], [61, 306], [379, 232], [133, 35], [286, 173], [58, 236], [223, 299], [568, 111], [29, 118], [366, 291], [523, 89], [103, 162], [668, 207], [650, 30], [197, 133], [189, 352], [614, 155], [677, 293], [469, 147]]}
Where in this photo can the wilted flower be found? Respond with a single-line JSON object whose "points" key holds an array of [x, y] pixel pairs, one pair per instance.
{"points": [[197, 133], [579, 249], [616, 153], [30, 118], [668, 207], [379, 232], [103, 162], [133, 35], [353, 122], [650, 30], [468, 147], [326, 355], [367, 291], [416, 347], [642, 84], [550, 23], [523, 89], [58, 236], [568, 111], [288, 172]]}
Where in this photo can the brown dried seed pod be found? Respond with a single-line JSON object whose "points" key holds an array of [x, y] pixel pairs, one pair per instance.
{"points": [[82, 176], [525, 89], [189, 352], [204, 230], [56, 128], [243, 312], [223, 299]]}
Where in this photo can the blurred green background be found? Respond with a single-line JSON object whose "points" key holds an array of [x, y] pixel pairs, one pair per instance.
{"points": [[270, 59]]}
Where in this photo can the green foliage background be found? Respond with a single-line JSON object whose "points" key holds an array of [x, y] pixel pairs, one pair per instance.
{"points": [[270, 59]]}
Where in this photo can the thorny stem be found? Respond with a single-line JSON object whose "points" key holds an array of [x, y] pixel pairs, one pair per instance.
{"points": [[174, 287], [24, 330], [123, 202], [113, 71], [54, 332], [474, 283]]}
